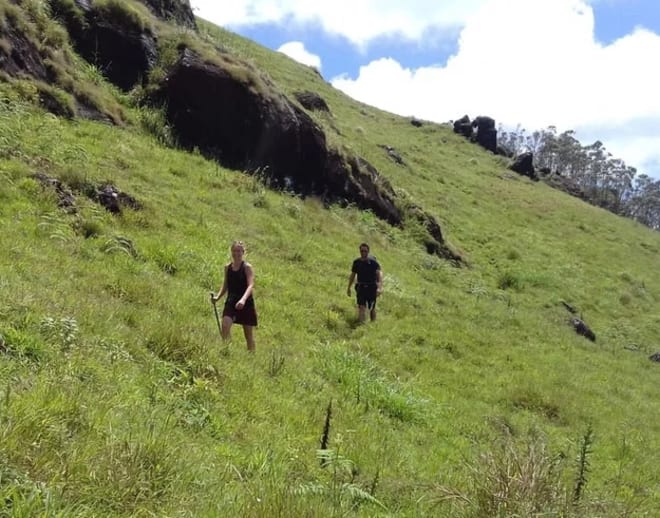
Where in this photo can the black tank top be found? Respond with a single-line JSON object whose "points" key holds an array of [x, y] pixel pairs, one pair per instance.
{"points": [[236, 285]]}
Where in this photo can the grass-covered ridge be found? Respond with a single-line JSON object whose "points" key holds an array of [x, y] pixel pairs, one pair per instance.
{"points": [[117, 397]]}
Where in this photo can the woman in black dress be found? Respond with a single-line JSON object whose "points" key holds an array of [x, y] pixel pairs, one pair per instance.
{"points": [[239, 307]]}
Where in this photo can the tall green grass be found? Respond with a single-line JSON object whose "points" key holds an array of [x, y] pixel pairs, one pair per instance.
{"points": [[470, 396]]}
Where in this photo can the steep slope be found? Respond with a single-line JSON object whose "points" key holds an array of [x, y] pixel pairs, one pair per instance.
{"points": [[118, 398]]}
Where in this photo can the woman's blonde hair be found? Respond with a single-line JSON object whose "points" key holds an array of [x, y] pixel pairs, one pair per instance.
{"points": [[238, 243]]}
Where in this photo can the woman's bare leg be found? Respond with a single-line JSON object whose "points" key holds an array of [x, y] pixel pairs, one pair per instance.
{"points": [[248, 331], [226, 327]]}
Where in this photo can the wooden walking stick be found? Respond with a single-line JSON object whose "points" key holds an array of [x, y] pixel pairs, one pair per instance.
{"points": [[217, 318]]}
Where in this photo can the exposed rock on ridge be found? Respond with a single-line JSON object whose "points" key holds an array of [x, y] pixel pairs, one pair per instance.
{"points": [[178, 11], [232, 113], [117, 43]]}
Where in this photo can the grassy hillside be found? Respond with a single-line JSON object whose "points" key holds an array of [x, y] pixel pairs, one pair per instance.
{"points": [[471, 395]]}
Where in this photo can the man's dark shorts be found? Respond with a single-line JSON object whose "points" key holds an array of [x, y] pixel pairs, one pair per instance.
{"points": [[245, 317], [366, 295]]}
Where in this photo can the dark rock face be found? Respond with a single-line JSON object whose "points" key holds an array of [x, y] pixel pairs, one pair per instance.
{"points": [[122, 50], [124, 57], [486, 135], [463, 126], [231, 120], [176, 10], [312, 101], [24, 57], [355, 180], [524, 165], [212, 109], [435, 244]]}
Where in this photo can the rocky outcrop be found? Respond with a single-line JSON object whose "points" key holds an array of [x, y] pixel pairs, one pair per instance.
{"points": [[106, 195], [463, 126], [312, 101], [65, 198], [178, 11], [583, 329], [486, 135], [117, 38], [354, 180], [435, 243], [20, 55], [392, 153], [524, 165], [578, 324], [112, 199], [113, 38], [233, 114]]}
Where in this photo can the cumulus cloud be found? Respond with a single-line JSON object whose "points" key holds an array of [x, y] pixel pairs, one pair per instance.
{"points": [[535, 63], [296, 50], [358, 21]]}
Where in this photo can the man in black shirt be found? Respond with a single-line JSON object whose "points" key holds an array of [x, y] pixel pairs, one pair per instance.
{"points": [[369, 282]]}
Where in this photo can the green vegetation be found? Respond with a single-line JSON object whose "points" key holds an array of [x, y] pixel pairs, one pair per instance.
{"points": [[471, 395], [50, 41]]}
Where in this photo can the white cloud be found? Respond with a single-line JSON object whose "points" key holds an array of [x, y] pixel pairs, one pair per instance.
{"points": [[296, 50], [360, 21], [534, 62]]}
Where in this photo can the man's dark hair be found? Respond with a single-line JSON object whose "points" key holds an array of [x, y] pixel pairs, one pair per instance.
{"points": [[364, 245]]}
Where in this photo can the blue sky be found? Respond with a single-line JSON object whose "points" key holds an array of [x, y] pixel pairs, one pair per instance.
{"points": [[592, 66]]}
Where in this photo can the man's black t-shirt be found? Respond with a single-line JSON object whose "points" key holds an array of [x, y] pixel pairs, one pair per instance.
{"points": [[366, 270]]}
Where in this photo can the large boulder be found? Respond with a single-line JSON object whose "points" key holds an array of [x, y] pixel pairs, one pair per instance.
{"points": [[463, 126], [114, 38], [524, 165], [486, 135], [232, 113]]}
